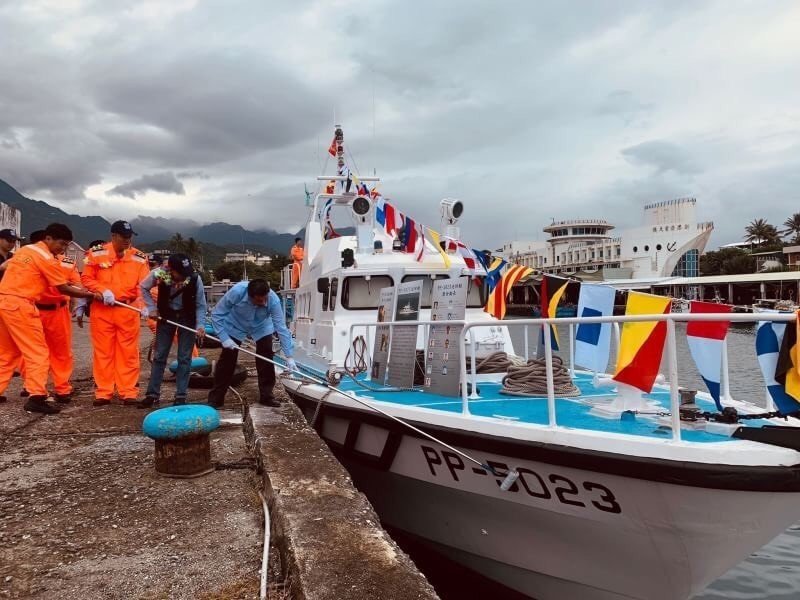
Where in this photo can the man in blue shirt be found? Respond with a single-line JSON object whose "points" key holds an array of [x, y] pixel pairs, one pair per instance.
{"points": [[249, 309], [181, 299]]}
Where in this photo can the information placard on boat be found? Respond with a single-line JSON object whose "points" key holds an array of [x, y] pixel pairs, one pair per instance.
{"points": [[380, 352], [442, 357], [403, 345]]}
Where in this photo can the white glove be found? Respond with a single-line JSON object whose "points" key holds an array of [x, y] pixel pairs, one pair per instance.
{"points": [[230, 344], [80, 311], [108, 298], [145, 312], [291, 365]]}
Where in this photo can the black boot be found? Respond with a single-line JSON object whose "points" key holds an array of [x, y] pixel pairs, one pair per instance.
{"points": [[63, 398], [3, 399], [24, 393], [41, 405], [179, 402], [147, 402]]}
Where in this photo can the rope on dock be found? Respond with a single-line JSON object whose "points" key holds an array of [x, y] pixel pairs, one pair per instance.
{"points": [[530, 379]]}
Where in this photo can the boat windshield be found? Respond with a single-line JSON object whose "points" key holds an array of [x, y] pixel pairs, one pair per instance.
{"points": [[476, 296], [360, 293]]}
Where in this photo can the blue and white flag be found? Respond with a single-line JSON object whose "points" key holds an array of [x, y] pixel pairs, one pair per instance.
{"points": [[593, 340], [769, 336]]}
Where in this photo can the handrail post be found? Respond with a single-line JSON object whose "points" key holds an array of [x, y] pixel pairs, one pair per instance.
{"points": [[463, 369], [572, 351], [368, 352], [548, 361], [674, 401], [474, 393], [617, 336], [525, 334], [726, 379]]}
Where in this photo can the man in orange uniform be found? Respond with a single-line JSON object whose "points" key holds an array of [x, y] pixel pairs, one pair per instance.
{"points": [[33, 269], [57, 323], [297, 254], [114, 270]]}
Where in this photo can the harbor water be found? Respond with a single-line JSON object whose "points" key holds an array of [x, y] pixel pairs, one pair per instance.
{"points": [[772, 573]]}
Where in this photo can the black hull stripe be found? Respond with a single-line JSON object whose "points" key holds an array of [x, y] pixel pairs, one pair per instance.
{"points": [[713, 476]]}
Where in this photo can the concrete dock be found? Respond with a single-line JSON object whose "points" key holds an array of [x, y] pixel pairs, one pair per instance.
{"points": [[84, 515]]}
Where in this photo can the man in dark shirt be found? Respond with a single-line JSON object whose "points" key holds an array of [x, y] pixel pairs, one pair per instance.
{"points": [[8, 241]]}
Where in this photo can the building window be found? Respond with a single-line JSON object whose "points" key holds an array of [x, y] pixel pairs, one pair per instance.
{"points": [[688, 265]]}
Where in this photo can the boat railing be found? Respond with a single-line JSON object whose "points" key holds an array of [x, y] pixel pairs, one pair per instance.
{"points": [[468, 329]]}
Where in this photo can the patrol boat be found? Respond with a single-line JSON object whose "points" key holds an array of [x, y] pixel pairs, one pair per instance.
{"points": [[618, 494]]}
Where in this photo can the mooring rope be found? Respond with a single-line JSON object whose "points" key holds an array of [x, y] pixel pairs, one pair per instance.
{"points": [[531, 379], [497, 362]]}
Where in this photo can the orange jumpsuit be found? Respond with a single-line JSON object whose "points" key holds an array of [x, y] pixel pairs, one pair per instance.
{"points": [[297, 254], [57, 323], [115, 329], [32, 270]]}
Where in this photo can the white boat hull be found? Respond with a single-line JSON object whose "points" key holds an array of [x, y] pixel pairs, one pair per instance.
{"points": [[560, 532]]}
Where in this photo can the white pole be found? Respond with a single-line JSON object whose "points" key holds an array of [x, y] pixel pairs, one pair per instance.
{"points": [[674, 400], [525, 334], [548, 361], [463, 377], [474, 393], [572, 351], [726, 380]]}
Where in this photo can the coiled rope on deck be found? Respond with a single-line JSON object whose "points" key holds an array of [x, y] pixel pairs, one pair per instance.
{"points": [[497, 362], [531, 379]]}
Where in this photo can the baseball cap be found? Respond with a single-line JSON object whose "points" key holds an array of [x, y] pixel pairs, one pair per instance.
{"points": [[122, 228], [10, 235], [181, 264]]}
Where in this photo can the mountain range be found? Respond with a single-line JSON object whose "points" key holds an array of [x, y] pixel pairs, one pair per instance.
{"points": [[37, 215]]}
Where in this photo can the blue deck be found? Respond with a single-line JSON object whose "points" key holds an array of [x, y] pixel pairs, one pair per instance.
{"points": [[570, 412]]}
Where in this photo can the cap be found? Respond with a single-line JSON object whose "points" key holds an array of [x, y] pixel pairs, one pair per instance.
{"points": [[181, 264], [123, 228], [10, 235]]}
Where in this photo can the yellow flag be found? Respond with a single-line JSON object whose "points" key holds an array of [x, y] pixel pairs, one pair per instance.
{"points": [[435, 239]]}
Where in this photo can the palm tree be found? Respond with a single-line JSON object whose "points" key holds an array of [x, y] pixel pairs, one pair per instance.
{"points": [[792, 225], [177, 243], [761, 232]]}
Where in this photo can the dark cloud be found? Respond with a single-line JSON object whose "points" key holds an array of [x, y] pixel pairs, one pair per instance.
{"points": [[526, 111], [663, 156], [157, 182]]}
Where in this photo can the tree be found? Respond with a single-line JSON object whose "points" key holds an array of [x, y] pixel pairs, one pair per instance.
{"points": [[727, 261], [792, 225], [760, 232], [229, 270], [177, 244]]}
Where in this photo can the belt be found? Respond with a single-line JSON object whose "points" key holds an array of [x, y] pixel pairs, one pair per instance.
{"points": [[51, 306]]}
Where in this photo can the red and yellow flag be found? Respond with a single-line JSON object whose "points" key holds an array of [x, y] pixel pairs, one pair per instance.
{"points": [[642, 343], [496, 305]]}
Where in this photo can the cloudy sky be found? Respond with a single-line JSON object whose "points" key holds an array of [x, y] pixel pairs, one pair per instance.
{"points": [[223, 109]]}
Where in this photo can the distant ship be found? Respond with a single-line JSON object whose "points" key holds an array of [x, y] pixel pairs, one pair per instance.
{"points": [[669, 243]]}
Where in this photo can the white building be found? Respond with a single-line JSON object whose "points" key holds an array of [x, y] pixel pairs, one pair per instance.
{"points": [[668, 243], [247, 255]]}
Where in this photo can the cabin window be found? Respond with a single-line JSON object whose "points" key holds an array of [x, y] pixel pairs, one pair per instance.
{"points": [[323, 287], [359, 293], [427, 287], [658, 246], [647, 248], [636, 248], [333, 291]]}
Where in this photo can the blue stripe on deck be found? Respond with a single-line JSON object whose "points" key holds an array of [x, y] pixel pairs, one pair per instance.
{"points": [[570, 412]]}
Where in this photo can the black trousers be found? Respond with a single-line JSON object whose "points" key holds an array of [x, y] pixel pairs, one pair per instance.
{"points": [[227, 363]]}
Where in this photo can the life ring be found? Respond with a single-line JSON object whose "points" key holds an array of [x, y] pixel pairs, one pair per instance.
{"points": [[199, 365], [206, 382]]}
